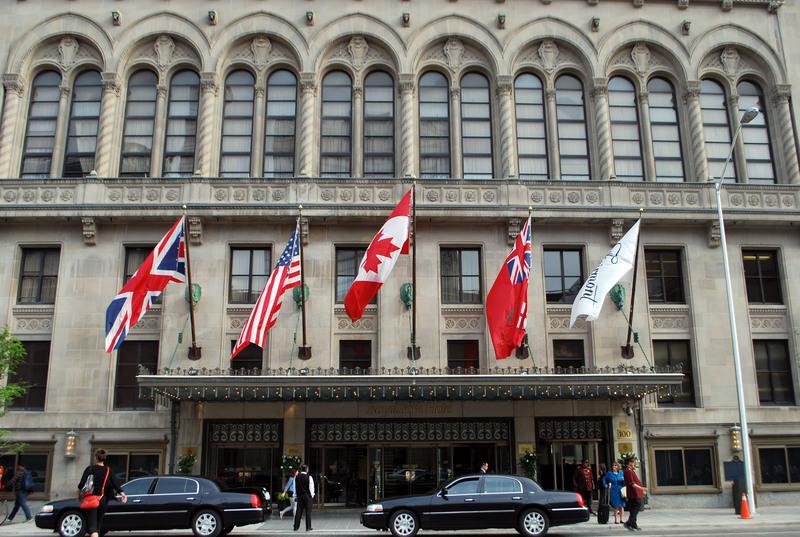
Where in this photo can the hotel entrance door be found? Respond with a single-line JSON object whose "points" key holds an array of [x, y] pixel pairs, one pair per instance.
{"points": [[557, 471], [341, 475]]}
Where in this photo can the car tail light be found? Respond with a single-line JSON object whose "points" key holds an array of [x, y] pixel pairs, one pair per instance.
{"points": [[255, 501], [580, 500]]}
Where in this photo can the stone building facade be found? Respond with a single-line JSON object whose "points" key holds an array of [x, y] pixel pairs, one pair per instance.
{"points": [[116, 115]]}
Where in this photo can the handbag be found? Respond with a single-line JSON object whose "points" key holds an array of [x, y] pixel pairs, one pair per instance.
{"points": [[624, 492], [92, 501]]}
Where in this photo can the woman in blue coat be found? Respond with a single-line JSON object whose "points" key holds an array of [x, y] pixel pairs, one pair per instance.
{"points": [[613, 481]]}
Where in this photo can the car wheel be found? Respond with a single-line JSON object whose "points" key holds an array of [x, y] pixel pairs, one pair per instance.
{"points": [[71, 524], [404, 524], [533, 523], [207, 523]]}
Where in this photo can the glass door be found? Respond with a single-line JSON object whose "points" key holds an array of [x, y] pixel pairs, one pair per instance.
{"points": [[558, 471], [342, 475]]}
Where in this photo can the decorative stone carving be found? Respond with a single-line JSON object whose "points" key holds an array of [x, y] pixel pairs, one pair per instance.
{"points": [[358, 48], [68, 51], [89, 231], [730, 61], [514, 225], [617, 231], [727, 5], [454, 52], [548, 52], [713, 235], [463, 324], [195, 228], [165, 48], [261, 46], [640, 54], [683, 4]]}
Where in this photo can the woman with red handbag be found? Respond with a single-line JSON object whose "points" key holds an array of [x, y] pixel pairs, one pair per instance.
{"points": [[96, 487]]}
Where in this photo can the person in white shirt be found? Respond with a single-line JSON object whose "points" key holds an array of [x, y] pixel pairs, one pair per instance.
{"points": [[304, 492]]}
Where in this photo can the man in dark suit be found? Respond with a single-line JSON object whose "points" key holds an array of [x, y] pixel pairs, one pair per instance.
{"points": [[304, 490], [484, 468]]}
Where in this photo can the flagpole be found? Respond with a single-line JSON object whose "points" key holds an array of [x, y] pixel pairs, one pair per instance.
{"points": [[304, 352], [414, 352], [195, 352], [627, 350], [524, 350]]}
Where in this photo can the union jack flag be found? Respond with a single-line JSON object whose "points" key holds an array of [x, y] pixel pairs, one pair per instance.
{"points": [[165, 264], [519, 260], [286, 275]]}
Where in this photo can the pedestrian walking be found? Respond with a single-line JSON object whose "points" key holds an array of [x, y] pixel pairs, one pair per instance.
{"points": [[635, 493], [613, 482], [103, 485], [22, 485], [484, 468], [291, 491], [304, 492], [584, 483]]}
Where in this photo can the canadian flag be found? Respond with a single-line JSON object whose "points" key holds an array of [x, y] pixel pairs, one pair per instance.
{"points": [[379, 259]]}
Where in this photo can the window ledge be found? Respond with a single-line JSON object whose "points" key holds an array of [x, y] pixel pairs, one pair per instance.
{"points": [[686, 490], [661, 307], [462, 308], [33, 309], [767, 308], [233, 309], [339, 309]]}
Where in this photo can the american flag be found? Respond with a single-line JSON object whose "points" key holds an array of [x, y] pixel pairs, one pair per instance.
{"points": [[165, 264], [285, 276]]}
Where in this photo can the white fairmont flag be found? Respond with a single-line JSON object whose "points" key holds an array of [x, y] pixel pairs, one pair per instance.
{"points": [[617, 262]]}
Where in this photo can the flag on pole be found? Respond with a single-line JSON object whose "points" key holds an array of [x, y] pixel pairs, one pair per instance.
{"points": [[286, 275], [379, 259], [617, 262], [165, 264], [507, 301]]}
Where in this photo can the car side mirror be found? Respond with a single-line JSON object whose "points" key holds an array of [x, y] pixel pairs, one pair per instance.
{"points": [[444, 493]]}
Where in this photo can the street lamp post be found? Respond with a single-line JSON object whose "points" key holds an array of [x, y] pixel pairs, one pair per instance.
{"points": [[749, 115]]}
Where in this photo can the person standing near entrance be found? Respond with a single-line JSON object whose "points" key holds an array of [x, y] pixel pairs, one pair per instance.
{"points": [[613, 481], [584, 483], [484, 468], [304, 492], [291, 491], [635, 492]]}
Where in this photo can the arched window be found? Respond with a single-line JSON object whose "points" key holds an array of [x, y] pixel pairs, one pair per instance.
{"points": [[476, 127], [717, 129], [140, 113], [184, 96], [531, 137], [665, 131], [83, 120], [379, 125], [336, 131], [237, 125], [755, 135], [434, 126], [625, 138], [573, 145], [279, 136], [40, 135]]}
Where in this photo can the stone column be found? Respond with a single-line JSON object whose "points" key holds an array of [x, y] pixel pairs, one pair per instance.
{"points": [[308, 88], [738, 153], [456, 165], [407, 138], [507, 145], [784, 114], [605, 153], [257, 151], [157, 154], [205, 128], [104, 163], [357, 133], [553, 154], [60, 140], [648, 154], [14, 86], [696, 135]]}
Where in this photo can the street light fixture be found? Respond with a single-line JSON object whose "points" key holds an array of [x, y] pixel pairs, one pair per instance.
{"points": [[748, 116]]}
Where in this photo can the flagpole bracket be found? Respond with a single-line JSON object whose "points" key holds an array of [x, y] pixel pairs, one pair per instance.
{"points": [[627, 352], [195, 352], [304, 352], [416, 355]]}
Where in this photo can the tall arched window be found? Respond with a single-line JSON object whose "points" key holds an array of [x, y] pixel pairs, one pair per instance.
{"points": [[336, 131], [531, 137], [40, 134], [140, 113], [179, 147], [237, 125], [717, 129], [476, 127], [434, 126], [279, 137], [573, 145], [665, 131], [755, 135], [379, 125], [625, 138], [83, 120]]}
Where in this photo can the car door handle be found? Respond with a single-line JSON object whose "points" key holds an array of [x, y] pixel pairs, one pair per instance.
{"points": [[137, 501], [191, 499], [516, 497], [470, 500]]}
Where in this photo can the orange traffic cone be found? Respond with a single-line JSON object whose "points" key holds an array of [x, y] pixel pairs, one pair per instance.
{"points": [[745, 508]]}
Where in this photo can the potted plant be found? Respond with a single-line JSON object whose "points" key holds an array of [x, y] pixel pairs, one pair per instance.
{"points": [[186, 463], [528, 463]]}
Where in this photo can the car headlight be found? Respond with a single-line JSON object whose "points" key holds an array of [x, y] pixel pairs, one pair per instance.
{"points": [[46, 509], [374, 508]]}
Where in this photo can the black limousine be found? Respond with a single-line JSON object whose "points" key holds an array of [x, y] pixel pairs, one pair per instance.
{"points": [[163, 503], [479, 502]]}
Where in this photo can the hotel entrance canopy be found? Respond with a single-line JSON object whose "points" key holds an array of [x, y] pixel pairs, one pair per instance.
{"points": [[408, 384]]}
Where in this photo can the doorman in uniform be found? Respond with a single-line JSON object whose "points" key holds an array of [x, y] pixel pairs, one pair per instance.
{"points": [[304, 490]]}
